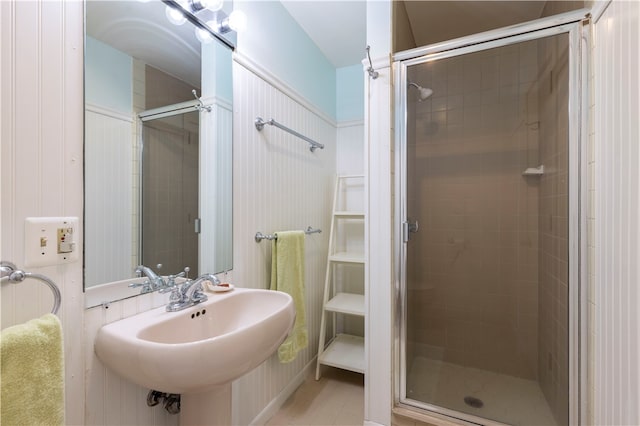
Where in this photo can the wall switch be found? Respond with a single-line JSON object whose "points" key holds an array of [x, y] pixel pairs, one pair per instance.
{"points": [[50, 241]]}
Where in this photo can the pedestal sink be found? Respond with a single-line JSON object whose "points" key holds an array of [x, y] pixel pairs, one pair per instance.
{"points": [[198, 351]]}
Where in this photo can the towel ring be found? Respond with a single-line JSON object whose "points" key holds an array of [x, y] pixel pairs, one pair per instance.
{"points": [[16, 276]]}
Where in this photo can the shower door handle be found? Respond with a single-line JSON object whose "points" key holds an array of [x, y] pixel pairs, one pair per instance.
{"points": [[409, 227]]}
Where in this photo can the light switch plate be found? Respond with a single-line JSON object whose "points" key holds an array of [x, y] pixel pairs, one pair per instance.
{"points": [[41, 246]]}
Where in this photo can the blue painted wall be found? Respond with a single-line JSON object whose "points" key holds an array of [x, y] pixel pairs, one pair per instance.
{"points": [[276, 42], [350, 93], [217, 62], [108, 77]]}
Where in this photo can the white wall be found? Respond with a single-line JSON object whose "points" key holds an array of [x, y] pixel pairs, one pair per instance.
{"points": [[350, 148], [278, 185], [108, 205], [109, 399], [379, 171], [616, 330], [41, 122]]}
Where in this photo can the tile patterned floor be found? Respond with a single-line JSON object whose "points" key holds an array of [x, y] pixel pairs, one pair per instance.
{"points": [[336, 399]]}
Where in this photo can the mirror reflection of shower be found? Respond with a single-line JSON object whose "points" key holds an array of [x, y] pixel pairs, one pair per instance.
{"points": [[423, 92]]}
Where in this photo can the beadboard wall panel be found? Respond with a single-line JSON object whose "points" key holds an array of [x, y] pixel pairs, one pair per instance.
{"points": [[41, 162], [108, 206], [278, 185], [111, 400], [617, 230], [350, 148]]}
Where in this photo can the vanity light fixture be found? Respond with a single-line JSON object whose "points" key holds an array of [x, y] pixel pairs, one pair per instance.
{"points": [[200, 5], [175, 16], [236, 21], [203, 35], [208, 17]]}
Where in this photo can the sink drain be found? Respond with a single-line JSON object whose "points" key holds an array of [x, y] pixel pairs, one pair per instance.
{"points": [[473, 402]]}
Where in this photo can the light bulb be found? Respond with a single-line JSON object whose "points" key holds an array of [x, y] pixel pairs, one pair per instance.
{"points": [[212, 5], [203, 36], [175, 16], [237, 20]]}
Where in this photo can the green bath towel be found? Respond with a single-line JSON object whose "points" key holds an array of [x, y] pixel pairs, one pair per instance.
{"points": [[287, 275], [32, 376]]}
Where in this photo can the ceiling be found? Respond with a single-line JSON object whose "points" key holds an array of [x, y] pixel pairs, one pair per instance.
{"points": [[435, 21], [142, 30], [337, 27]]}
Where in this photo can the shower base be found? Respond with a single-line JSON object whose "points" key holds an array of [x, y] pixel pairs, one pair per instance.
{"points": [[504, 398]]}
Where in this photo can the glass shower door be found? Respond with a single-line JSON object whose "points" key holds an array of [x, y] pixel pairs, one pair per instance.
{"points": [[486, 251], [170, 192]]}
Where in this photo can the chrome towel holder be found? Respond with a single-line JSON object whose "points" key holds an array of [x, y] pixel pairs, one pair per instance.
{"points": [[14, 275], [260, 123], [260, 236]]}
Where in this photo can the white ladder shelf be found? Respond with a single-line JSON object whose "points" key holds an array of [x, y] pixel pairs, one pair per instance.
{"points": [[342, 350]]}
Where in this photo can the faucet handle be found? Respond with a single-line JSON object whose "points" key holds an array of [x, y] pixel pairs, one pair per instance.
{"points": [[171, 279], [175, 292], [171, 286], [146, 286], [184, 273]]}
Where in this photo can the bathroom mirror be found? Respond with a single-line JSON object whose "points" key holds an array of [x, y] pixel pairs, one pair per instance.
{"points": [[158, 143]]}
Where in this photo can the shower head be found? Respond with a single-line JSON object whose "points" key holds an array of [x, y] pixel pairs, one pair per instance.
{"points": [[423, 92]]}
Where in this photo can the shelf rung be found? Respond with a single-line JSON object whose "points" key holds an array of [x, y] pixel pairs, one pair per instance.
{"points": [[346, 257], [346, 303], [349, 214], [346, 352]]}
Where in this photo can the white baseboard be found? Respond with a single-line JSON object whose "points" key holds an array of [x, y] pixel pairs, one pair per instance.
{"points": [[370, 423], [272, 408]]}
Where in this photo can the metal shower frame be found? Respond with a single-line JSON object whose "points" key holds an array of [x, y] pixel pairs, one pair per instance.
{"points": [[573, 24]]}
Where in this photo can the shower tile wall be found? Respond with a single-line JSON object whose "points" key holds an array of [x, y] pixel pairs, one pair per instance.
{"points": [[553, 57], [473, 267]]}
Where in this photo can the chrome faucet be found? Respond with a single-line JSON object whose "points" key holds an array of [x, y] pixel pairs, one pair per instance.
{"points": [[190, 293], [154, 281]]}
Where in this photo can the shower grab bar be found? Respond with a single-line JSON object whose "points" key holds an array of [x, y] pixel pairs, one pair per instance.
{"points": [[260, 236], [259, 122], [15, 276]]}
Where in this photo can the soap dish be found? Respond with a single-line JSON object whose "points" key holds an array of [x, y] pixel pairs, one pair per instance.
{"points": [[220, 288]]}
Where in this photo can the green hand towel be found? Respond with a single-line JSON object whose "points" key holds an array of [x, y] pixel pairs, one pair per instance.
{"points": [[287, 275], [32, 376]]}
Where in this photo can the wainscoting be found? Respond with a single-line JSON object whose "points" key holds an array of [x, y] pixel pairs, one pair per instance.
{"points": [[615, 250], [278, 185]]}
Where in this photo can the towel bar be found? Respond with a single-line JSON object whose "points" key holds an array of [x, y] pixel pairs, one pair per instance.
{"points": [[259, 123], [260, 236], [15, 276]]}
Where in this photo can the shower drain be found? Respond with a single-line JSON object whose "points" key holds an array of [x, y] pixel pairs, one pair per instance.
{"points": [[473, 402]]}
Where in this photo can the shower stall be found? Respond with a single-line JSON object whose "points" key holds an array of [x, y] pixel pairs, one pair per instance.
{"points": [[169, 182], [488, 166]]}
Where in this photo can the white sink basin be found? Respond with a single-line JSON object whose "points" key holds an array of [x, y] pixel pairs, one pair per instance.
{"points": [[201, 347]]}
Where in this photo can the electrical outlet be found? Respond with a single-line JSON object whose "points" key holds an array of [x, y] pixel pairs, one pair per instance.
{"points": [[50, 241]]}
